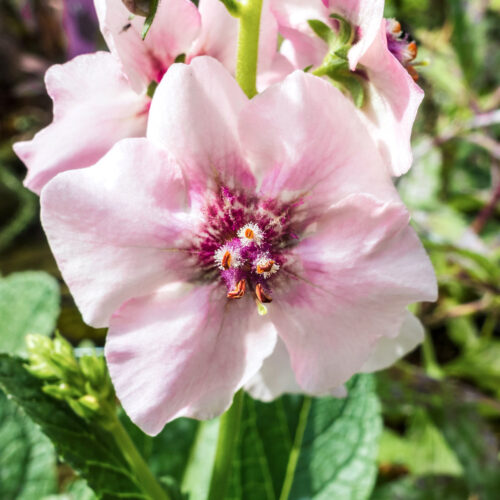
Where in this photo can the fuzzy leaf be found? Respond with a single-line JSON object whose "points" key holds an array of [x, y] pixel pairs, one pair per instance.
{"points": [[297, 448], [27, 459], [91, 451], [29, 303]]}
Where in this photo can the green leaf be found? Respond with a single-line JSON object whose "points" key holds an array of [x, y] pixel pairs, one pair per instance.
{"points": [[475, 446], [423, 488], [90, 450], [29, 303], [422, 450], [297, 448], [27, 458]]}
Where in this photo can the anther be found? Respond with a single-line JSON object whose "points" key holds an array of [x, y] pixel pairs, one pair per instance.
{"points": [[239, 290], [250, 233], [265, 267], [226, 260], [412, 50], [262, 295]]}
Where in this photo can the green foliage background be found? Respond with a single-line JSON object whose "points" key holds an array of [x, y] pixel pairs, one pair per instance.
{"points": [[440, 406]]}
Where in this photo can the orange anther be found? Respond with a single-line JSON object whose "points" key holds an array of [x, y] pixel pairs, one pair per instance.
{"points": [[226, 260], [396, 27], [412, 50], [239, 291], [261, 295], [249, 233], [413, 72], [265, 268]]}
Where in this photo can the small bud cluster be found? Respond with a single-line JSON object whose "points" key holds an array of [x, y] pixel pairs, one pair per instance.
{"points": [[84, 383]]}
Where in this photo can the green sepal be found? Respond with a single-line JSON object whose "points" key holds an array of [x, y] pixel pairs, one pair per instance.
{"points": [[150, 92], [232, 6], [322, 30], [181, 58], [353, 84], [153, 7], [345, 35]]}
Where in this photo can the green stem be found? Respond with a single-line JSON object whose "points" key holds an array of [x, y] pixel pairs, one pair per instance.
{"points": [[431, 366], [248, 46], [295, 452], [229, 429], [143, 474]]}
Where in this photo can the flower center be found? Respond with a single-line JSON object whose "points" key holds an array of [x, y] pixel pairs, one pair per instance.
{"points": [[244, 242]]}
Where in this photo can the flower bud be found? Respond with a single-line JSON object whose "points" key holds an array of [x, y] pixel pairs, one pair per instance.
{"points": [[89, 402], [59, 391], [38, 343], [43, 369], [139, 7]]}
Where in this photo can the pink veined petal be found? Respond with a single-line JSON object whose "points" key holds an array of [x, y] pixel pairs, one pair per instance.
{"points": [[349, 287], [276, 378], [303, 138], [218, 36], [118, 229], [194, 115], [293, 16], [392, 103], [366, 15], [184, 351], [176, 25], [268, 38], [301, 45], [94, 107], [280, 68], [388, 350]]}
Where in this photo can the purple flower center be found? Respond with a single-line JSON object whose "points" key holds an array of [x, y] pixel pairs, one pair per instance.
{"points": [[244, 242]]}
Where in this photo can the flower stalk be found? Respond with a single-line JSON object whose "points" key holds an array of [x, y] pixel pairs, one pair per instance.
{"points": [[248, 46], [142, 472], [229, 429]]}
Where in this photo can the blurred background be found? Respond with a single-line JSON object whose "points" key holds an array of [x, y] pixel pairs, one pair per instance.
{"points": [[441, 405]]}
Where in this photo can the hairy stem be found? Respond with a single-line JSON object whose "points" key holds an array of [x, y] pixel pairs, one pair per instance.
{"points": [[248, 46]]}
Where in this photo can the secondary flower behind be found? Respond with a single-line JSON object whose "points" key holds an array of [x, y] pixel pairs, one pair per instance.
{"points": [[235, 228], [104, 97], [379, 59]]}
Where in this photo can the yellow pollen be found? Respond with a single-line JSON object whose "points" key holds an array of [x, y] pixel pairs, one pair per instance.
{"points": [[249, 233]]}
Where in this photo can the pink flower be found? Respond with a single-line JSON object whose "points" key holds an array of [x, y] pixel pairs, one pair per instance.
{"points": [[103, 97], [392, 95], [180, 242]]}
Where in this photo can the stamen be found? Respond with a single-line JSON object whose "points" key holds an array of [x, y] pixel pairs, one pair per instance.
{"points": [[239, 291], [250, 233], [265, 266], [227, 256], [263, 297]]}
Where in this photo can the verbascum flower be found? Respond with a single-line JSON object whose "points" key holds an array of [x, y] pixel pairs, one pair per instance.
{"points": [[237, 227], [104, 97], [383, 70]]}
